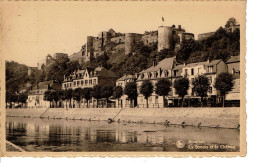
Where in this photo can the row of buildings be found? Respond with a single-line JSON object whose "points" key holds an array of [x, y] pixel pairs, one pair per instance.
{"points": [[168, 68]]}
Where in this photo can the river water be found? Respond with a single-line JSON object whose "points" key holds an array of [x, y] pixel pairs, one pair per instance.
{"points": [[35, 134]]}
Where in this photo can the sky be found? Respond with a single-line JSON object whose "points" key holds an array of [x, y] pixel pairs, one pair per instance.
{"points": [[31, 30]]}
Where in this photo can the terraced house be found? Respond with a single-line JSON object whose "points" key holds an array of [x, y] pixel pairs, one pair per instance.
{"points": [[171, 69], [88, 78], [36, 94], [124, 101], [210, 69], [168, 68]]}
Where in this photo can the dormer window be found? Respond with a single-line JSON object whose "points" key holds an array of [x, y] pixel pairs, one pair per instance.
{"points": [[210, 69], [142, 76], [166, 73], [155, 74], [149, 75]]}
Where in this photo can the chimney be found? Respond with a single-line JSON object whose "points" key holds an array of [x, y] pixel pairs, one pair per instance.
{"points": [[154, 63], [179, 27]]}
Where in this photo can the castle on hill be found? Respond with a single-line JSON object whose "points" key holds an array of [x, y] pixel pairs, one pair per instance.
{"points": [[111, 42], [167, 37]]}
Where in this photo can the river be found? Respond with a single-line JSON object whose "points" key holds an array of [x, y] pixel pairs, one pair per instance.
{"points": [[60, 135]]}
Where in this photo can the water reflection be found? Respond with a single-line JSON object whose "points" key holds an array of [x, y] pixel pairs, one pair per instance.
{"points": [[60, 135]]}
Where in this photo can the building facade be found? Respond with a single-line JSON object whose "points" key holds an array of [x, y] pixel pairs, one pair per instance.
{"points": [[124, 102], [171, 69], [88, 78], [36, 94]]}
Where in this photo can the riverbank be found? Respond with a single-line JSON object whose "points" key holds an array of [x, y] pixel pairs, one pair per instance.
{"points": [[10, 147], [204, 117]]}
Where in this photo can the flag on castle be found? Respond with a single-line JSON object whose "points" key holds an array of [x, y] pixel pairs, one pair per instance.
{"points": [[163, 19]]}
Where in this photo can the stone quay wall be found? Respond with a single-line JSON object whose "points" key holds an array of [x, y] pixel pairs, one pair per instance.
{"points": [[198, 117]]}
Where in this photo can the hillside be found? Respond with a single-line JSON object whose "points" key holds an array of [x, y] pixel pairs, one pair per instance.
{"points": [[16, 76]]}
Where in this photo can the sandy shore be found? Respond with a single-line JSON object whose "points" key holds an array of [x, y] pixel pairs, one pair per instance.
{"points": [[208, 117]]}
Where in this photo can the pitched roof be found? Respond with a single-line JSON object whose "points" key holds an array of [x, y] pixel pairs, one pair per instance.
{"points": [[165, 64], [102, 72], [44, 85], [234, 59], [206, 63], [125, 77]]}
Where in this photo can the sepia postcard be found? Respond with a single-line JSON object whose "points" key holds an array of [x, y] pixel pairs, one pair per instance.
{"points": [[123, 78]]}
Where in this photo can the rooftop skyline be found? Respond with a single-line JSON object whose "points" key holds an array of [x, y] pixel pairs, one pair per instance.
{"points": [[32, 30]]}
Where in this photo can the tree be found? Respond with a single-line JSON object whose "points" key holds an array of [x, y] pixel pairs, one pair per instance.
{"points": [[106, 92], [162, 88], [201, 86], [231, 21], [68, 96], [48, 97], [96, 93], [87, 94], [118, 93], [61, 96], [77, 95], [22, 98], [54, 96], [181, 86], [146, 89], [131, 91], [224, 84]]}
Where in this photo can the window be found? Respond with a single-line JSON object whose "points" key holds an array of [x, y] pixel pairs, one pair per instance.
{"points": [[70, 84], [78, 82], [149, 75], [90, 82], [156, 99], [199, 70], [210, 79], [142, 76], [175, 72], [192, 71], [74, 83], [210, 69], [86, 82], [95, 81], [155, 74], [210, 90], [186, 71], [150, 99], [81, 82], [166, 73]]}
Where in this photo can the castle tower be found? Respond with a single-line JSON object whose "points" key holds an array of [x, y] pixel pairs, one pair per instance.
{"points": [[130, 40], [89, 47], [165, 38]]}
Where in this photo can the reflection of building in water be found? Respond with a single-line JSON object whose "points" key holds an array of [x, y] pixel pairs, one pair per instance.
{"points": [[106, 136], [150, 137], [93, 135]]}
